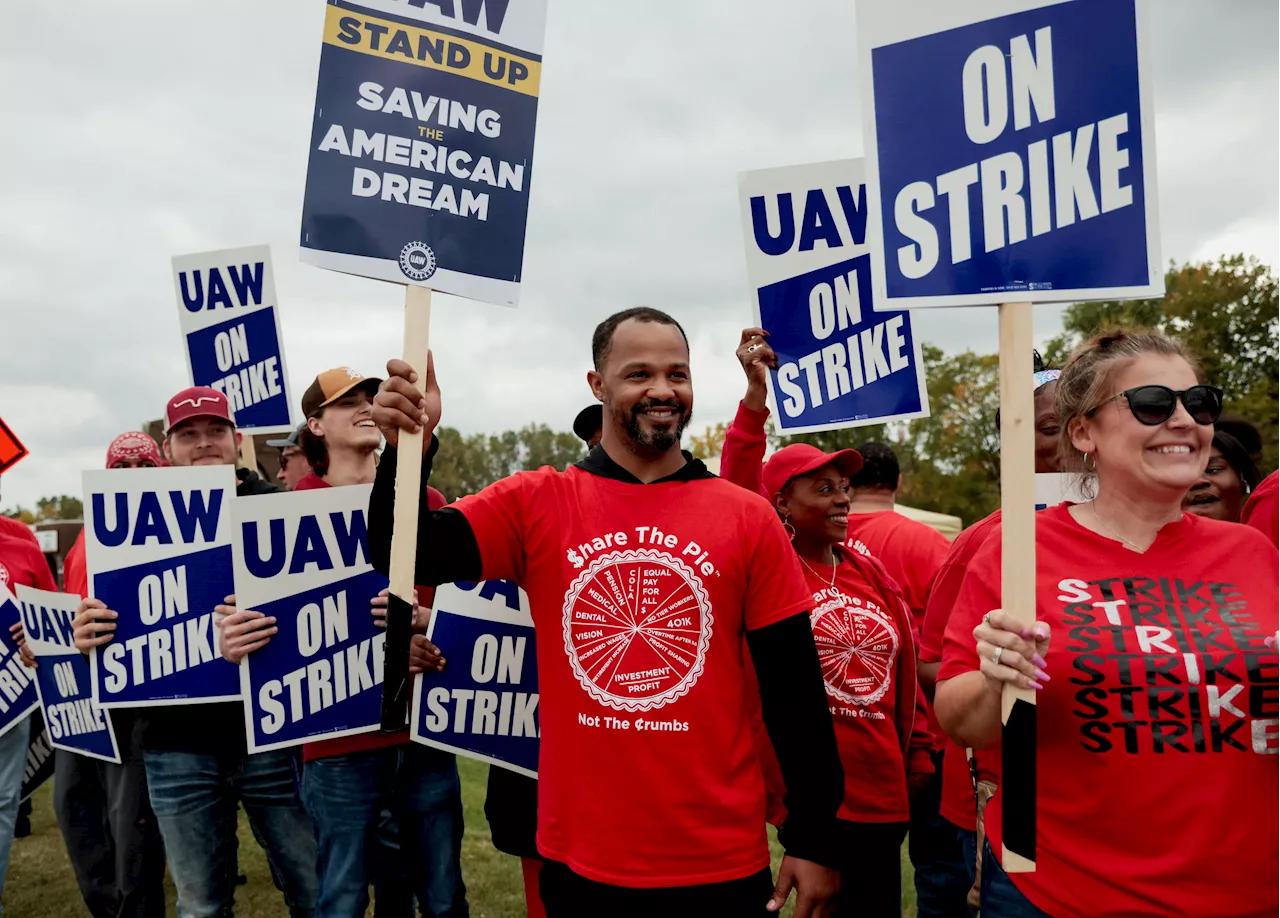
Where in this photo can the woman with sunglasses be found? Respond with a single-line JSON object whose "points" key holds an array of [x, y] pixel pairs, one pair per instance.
{"points": [[863, 632], [1156, 700], [1228, 478]]}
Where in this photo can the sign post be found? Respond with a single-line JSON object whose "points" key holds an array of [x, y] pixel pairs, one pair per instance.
{"points": [[1010, 152], [809, 267], [419, 174]]}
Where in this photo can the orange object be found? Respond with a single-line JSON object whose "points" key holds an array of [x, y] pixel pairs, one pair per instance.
{"points": [[11, 448]]}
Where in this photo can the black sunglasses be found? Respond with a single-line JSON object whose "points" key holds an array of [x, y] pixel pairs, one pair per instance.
{"points": [[1153, 405]]}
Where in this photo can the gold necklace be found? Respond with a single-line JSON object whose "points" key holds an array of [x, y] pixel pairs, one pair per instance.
{"points": [[1094, 507], [834, 568]]}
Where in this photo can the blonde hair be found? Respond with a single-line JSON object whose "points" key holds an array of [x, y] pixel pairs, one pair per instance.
{"points": [[1086, 380]]}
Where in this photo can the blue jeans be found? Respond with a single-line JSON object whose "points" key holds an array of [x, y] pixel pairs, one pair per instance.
{"points": [[942, 881], [345, 796], [13, 765], [969, 845], [194, 796], [1000, 898]]}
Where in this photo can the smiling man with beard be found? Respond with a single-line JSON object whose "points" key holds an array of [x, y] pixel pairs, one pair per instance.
{"points": [[644, 573]]}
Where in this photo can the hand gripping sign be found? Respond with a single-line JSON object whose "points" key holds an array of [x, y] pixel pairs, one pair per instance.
{"points": [[422, 143], [231, 324], [1010, 150], [18, 693], [158, 553], [485, 704], [74, 722], [839, 363], [303, 558]]}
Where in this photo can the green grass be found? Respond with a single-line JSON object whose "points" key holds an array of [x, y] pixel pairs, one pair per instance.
{"points": [[41, 884]]}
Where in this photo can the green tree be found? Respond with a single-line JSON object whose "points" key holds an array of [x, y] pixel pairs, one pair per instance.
{"points": [[466, 464], [1226, 312]]}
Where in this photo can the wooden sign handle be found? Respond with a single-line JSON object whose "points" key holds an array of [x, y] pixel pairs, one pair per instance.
{"points": [[404, 532], [1018, 579]]}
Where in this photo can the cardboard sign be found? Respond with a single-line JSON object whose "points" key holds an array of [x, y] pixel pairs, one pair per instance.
{"points": [[158, 553], [227, 310], [422, 143], [485, 704], [304, 559], [74, 722], [1010, 151], [839, 363], [11, 448], [18, 693]]}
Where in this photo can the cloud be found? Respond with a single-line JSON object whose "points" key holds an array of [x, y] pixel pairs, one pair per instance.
{"points": [[142, 130]]}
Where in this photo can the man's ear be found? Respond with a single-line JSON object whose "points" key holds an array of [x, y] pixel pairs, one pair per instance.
{"points": [[313, 425], [164, 447], [239, 440], [596, 382]]}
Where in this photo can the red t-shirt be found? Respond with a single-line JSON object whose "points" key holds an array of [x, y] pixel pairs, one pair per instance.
{"points": [[75, 576], [958, 806], [16, 529], [363, 742], [910, 551], [1157, 738], [641, 596], [1260, 511], [22, 562]]}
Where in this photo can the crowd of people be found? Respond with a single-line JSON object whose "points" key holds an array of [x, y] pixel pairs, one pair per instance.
{"points": [[813, 659]]}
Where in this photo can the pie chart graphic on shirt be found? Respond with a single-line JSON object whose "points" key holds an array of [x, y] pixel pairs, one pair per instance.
{"points": [[857, 647], [636, 629]]}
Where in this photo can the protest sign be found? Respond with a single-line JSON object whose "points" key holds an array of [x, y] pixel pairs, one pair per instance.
{"points": [[18, 693], [422, 143], [1052, 488], [158, 553], [231, 323], [11, 448], [74, 722], [303, 558], [485, 703], [39, 757], [839, 363], [1010, 150]]}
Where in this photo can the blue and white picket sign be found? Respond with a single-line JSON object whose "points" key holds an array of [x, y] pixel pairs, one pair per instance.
{"points": [[1010, 150], [158, 553], [810, 269], [303, 558], [74, 722], [485, 704], [18, 693], [1052, 488], [231, 325], [422, 143]]}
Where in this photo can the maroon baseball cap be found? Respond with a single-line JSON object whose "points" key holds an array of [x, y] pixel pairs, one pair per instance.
{"points": [[197, 402], [803, 458]]}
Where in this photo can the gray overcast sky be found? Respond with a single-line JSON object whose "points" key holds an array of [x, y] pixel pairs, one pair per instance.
{"points": [[139, 130]]}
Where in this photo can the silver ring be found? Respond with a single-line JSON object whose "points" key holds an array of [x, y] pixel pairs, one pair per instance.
{"points": [[995, 656], [754, 348]]}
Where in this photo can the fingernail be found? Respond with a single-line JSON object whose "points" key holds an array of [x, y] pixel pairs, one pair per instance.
{"points": [[1038, 660], [1042, 633], [1025, 633], [1270, 642], [1042, 675], [272, 619], [1031, 683]]}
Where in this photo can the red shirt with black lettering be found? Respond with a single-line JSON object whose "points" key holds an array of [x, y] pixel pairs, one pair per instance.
{"points": [[958, 805], [363, 742], [1157, 737], [641, 595]]}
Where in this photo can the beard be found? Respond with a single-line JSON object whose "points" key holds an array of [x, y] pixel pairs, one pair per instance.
{"points": [[659, 441]]}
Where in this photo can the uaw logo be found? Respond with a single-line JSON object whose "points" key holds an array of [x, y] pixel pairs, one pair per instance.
{"points": [[636, 629], [417, 261]]}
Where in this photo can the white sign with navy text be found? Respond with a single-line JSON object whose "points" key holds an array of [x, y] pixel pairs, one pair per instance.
{"points": [[1010, 150], [18, 693], [231, 324], [74, 722], [158, 553], [810, 269], [303, 559]]}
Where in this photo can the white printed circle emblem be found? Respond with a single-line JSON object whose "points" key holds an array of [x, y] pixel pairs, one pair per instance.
{"points": [[857, 647], [637, 625]]}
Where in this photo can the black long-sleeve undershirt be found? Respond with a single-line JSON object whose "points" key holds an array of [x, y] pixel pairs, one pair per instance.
{"points": [[792, 693]]}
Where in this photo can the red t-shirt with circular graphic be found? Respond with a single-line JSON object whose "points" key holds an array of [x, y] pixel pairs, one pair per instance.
{"points": [[641, 595], [1156, 745]]}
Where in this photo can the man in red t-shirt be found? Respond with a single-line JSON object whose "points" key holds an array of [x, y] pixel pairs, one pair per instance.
{"points": [[644, 572], [385, 809]]}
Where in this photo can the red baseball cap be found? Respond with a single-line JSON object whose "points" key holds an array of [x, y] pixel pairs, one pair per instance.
{"points": [[134, 445], [197, 402], [803, 458]]}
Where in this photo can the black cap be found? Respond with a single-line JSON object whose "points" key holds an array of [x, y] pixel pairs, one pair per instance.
{"points": [[588, 421], [291, 440]]}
